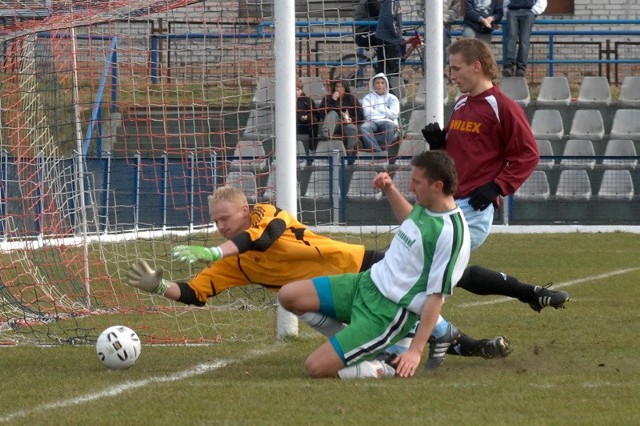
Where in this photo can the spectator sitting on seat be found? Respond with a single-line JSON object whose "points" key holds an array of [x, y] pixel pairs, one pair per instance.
{"points": [[306, 117], [481, 17], [341, 113], [381, 110]]}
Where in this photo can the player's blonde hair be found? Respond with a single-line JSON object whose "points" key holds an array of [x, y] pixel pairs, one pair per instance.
{"points": [[228, 193]]}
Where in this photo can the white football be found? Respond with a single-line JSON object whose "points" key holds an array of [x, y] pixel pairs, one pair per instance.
{"points": [[118, 347]]}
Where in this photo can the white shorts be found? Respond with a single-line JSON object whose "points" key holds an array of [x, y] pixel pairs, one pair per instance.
{"points": [[479, 221]]}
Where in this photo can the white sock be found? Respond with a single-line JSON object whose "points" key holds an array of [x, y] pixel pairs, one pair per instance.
{"points": [[367, 370], [321, 323]]}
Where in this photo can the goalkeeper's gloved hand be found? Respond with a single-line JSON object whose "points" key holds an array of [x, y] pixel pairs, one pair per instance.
{"points": [[193, 253], [484, 195], [143, 277], [434, 135]]}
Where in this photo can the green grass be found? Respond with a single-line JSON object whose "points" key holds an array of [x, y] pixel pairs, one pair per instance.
{"points": [[573, 366]]}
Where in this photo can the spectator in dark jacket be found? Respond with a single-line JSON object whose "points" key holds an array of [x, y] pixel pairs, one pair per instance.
{"points": [[481, 17], [306, 117], [385, 36], [341, 113]]}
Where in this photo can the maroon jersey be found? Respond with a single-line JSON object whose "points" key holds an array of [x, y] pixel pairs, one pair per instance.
{"points": [[490, 139]]}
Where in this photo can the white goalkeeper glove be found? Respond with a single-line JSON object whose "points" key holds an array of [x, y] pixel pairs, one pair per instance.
{"points": [[143, 277], [193, 253]]}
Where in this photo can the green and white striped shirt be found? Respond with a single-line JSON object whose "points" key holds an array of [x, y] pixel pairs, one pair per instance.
{"points": [[427, 255]]}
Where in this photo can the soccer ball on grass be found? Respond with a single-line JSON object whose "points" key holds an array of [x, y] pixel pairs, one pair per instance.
{"points": [[118, 347]]}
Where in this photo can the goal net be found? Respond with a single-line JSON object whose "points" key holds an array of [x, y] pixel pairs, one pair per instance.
{"points": [[118, 119]]}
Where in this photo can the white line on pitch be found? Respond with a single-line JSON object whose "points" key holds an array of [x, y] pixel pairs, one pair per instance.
{"points": [[555, 286], [126, 386]]}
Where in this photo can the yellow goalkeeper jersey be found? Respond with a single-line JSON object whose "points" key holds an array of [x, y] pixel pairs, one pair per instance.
{"points": [[276, 250]]}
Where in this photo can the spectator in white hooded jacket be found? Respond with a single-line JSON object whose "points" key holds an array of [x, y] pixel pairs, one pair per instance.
{"points": [[381, 110]]}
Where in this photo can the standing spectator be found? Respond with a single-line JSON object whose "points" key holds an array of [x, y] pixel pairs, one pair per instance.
{"points": [[381, 110], [389, 31], [306, 117], [365, 35], [341, 113], [521, 15], [481, 17], [451, 13], [385, 36]]}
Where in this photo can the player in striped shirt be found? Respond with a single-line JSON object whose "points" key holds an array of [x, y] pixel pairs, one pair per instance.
{"points": [[425, 260]]}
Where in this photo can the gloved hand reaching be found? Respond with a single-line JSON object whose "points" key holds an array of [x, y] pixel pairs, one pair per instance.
{"points": [[193, 253], [434, 135], [146, 279], [484, 195]]}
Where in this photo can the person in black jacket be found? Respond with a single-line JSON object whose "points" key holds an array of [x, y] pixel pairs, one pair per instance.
{"points": [[341, 113], [306, 117], [481, 17]]}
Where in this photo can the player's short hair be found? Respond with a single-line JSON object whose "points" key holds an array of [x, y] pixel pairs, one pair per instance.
{"points": [[438, 165], [228, 193], [473, 49]]}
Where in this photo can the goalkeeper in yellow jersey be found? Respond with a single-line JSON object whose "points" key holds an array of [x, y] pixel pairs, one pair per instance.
{"points": [[267, 246]]}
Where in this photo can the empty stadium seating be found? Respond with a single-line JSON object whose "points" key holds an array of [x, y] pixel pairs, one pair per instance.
{"points": [[626, 124], [535, 188], [616, 184], [554, 91], [544, 146], [245, 181], [630, 92], [547, 124], [587, 124], [517, 89], [319, 185], [594, 91], [249, 155], [574, 185], [620, 148], [361, 186], [421, 94], [325, 149], [578, 148], [410, 148]]}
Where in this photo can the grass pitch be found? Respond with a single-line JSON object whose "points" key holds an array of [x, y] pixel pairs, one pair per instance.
{"points": [[572, 366]]}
